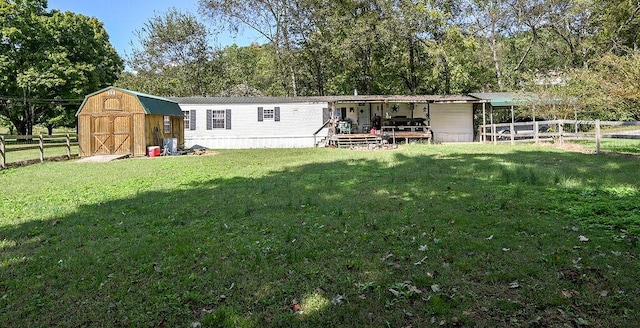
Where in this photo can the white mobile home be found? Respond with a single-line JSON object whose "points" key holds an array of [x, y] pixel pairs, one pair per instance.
{"points": [[271, 122], [251, 122]]}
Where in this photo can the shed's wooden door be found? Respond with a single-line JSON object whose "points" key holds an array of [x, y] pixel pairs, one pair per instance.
{"points": [[111, 134]]}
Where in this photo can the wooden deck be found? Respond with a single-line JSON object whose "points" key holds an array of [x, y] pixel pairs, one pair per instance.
{"points": [[356, 139]]}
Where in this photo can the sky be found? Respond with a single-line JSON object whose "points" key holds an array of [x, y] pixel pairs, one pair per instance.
{"points": [[122, 17]]}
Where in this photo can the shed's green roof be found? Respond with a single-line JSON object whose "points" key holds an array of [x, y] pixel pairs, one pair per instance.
{"points": [[152, 104]]}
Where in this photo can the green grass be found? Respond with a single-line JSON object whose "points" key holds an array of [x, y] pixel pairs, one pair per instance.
{"points": [[34, 154], [425, 235], [623, 146]]}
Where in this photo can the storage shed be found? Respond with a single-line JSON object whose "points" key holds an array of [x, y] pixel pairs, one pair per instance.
{"points": [[115, 121]]}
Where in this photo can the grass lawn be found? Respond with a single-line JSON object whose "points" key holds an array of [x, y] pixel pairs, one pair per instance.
{"points": [[467, 235], [34, 154]]}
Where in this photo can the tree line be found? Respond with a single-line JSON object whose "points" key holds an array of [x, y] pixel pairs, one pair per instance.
{"points": [[580, 55]]}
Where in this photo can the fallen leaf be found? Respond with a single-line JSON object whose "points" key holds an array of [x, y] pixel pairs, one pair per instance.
{"points": [[604, 293], [514, 285], [566, 294], [338, 299], [490, 237], [414, 289], [583, 239], [435, 288], [582, 322], [421, 261], [506, 249], [394, 292]]}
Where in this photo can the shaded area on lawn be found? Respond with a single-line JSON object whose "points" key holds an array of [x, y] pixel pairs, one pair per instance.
{"points": [[417, 240]]}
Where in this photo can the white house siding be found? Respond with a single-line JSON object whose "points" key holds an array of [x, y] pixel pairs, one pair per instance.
{"points": [[298, 122], [451, 122]]}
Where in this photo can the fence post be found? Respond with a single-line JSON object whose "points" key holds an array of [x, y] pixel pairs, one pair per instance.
{"points": [[41, 148], [598, 136], [68, 147], [535, 131], [3, 159], [561, 132]]}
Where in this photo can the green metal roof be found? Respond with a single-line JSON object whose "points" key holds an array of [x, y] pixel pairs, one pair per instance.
{"points": [[503, 99], [151, 104]]}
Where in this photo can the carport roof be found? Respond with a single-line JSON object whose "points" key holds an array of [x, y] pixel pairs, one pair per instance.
{"points": [[502, 99]]}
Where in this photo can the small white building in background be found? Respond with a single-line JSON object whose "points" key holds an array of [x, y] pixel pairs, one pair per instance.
{"points": [[299, 122]]}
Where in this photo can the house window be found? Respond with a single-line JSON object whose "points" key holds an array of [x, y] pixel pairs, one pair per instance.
{"points": [[187, 119], [167, 124], [269, 113], [216, 119]]}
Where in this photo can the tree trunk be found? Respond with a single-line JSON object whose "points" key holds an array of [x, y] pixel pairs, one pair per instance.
{"points": [[413, 79], [447, 74], [496, 59]]}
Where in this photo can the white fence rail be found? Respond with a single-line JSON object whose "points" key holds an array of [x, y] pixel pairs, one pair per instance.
{"points": [[564, 130]]}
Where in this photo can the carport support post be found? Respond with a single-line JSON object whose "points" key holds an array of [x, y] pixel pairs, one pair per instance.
{"points": [[597, 136], [483, 136], [513, 120], [493, 129]]}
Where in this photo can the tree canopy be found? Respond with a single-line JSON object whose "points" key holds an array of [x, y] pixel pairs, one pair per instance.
{"points": [[559, 48], [49, 60]]}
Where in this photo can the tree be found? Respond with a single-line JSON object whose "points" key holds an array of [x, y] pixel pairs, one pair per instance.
{"points": [[175, 58], [271, 19], [48, 59]]}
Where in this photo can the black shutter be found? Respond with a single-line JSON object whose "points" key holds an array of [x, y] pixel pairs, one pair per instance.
{"points": [[326, 115], [192, 120], [260, 114], [276, 114], [227, 119], [209, 119]]}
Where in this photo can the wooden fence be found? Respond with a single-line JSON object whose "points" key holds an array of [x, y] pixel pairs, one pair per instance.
{"points": [[17, 143], [559, 131]]}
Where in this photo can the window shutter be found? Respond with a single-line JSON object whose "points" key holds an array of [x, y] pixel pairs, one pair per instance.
{"points": [[192, 119], [209, 119], [227, 119], [260, 114], [276, 114], [326, 115]]}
